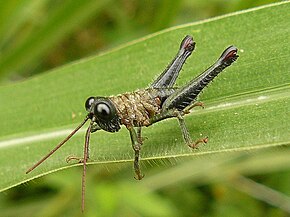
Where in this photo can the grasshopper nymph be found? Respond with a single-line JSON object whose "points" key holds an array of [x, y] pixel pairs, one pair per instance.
{"points": [[145, 107]]}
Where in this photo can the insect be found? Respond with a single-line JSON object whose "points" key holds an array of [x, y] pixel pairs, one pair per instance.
{"points": [[142, 108]]}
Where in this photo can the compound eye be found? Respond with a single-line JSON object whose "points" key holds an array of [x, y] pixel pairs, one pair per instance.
{"points": [[103, 110], [89, 103]]}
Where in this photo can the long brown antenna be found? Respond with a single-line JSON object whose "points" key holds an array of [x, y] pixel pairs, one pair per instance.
{"points": [[86, 150], [58, 146]]}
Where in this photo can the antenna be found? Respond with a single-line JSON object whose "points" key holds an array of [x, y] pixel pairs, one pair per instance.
{"points": [[58, 146]]}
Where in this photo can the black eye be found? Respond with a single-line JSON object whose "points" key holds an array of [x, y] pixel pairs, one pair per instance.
{"points": [[89, 103], [103, 110]]}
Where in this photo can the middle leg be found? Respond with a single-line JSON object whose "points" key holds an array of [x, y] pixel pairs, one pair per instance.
{"points": [[186, 135]]}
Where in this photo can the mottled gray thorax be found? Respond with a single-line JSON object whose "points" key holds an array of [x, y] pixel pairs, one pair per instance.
{"points": [[137, 108]]}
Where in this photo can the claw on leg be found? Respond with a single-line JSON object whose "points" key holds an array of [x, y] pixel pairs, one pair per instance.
{"points": [[78, 159], [187, 109], [197, 142]]}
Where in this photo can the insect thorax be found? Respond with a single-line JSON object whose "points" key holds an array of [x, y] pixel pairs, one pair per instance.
{"points": [[137, 108]]}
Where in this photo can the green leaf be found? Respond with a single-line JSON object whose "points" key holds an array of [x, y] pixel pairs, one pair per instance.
{"points": [[247, 107]]}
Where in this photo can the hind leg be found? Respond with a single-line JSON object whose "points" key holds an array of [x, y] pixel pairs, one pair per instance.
{"points": [[185, 96], [168, 77]]}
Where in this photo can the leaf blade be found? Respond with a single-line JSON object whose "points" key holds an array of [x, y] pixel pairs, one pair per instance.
{"points": [[54, 101]]}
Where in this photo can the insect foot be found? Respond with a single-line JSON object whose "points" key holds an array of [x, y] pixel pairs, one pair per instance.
{"points": [[196, 104], [138, 173], [198, 142], [78, 159], [139, 176]]}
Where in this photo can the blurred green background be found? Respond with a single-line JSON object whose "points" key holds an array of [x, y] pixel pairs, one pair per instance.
{"points": [[36, 36]]}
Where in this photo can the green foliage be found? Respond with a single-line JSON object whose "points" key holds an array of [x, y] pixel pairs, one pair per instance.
{"points": [[247, 109], [39, 35], [24, 51]]}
